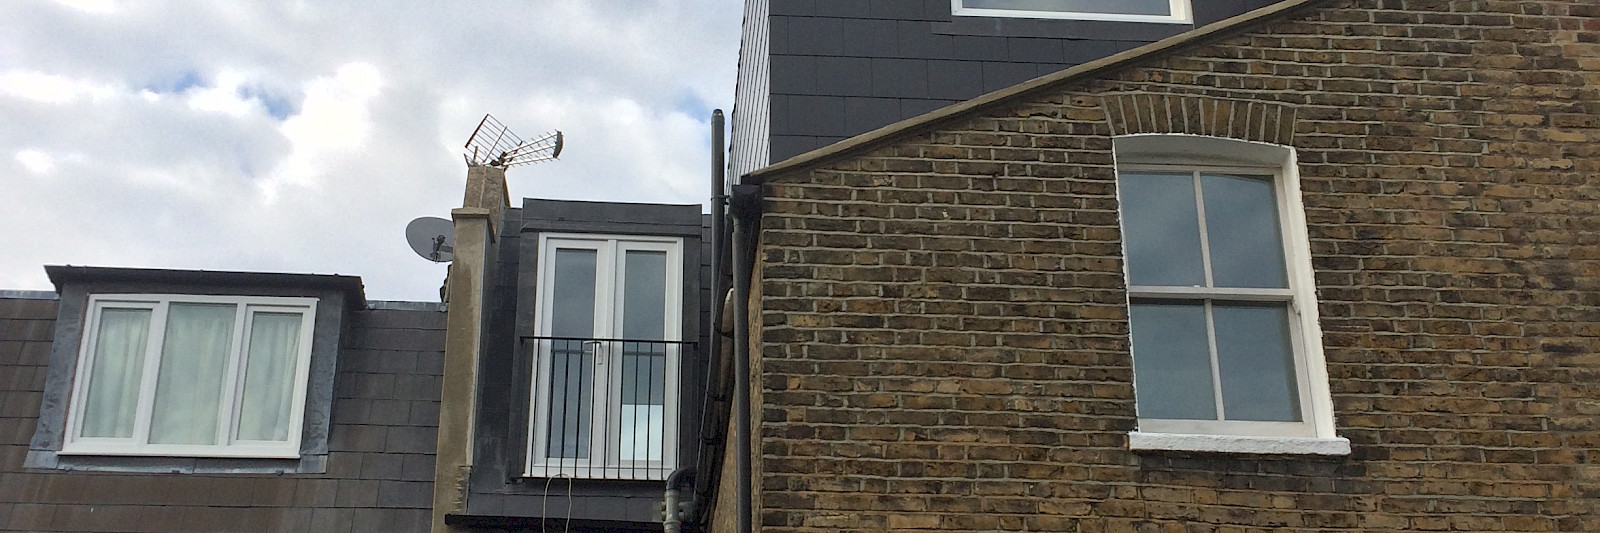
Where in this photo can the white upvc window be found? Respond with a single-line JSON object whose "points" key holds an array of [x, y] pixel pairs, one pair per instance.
{"points": [[1222, 305], [191, 376], [1164, 11], [607, 345]]}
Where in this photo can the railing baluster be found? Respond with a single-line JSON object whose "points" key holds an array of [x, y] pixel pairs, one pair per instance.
{"points": [[580, 442]]}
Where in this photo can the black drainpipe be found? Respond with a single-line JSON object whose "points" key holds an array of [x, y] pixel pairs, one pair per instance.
{"points": [[712, 426], [746, 209]]}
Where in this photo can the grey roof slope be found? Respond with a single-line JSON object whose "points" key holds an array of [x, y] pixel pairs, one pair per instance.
{"points": [[918, 124]]}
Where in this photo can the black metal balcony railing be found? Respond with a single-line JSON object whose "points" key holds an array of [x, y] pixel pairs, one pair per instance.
{"points": [[603, 408]]}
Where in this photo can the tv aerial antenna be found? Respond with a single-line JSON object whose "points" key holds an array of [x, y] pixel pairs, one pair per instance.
{"points": [[493, 145]]}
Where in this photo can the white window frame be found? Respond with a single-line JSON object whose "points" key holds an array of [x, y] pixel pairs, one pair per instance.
{"points": [[1315, 433], [1181, 14], [609, 251], [228, 445]]}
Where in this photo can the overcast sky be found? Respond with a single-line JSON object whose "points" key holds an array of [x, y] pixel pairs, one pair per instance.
{"points": [[303, 136]]}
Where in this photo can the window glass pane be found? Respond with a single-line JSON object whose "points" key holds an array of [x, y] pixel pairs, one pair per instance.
{"points": [[1163, 229], [1256, 362], [194, 364], [644, 295], [269, 376], [644, 388], [1242, 226], [108, 409], [571, 382], [1127, 7], [1172, 361], [572, 309]]}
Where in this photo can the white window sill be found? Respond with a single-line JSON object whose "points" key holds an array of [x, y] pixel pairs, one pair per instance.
{"points": [[1239, 444]]}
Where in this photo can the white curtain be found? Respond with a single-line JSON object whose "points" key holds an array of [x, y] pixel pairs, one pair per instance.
{"points": [[194, 364], [269, 377], [113, 393]]}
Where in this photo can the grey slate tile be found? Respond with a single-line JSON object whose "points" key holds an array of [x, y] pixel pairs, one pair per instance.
{"points": [[407, 494], [870, 37], [896, 9], [823, 116], [1034, 50], [842, 76], [332, 520], [382, 466], [797, 73], [811, 36], [842, 8], [917, 39], [900, 78], [389, 412], [998, 76], [865, 114], [955, 80], [357, 493], [412, 440]]}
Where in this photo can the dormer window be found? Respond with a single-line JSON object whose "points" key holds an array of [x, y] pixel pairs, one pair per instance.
{"points": [[1169, 11], [191, 375]]}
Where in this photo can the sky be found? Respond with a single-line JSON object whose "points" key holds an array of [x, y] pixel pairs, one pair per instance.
{"points": [[302, 137]]}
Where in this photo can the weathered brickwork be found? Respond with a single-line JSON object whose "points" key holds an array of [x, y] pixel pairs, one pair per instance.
{"points": [[945, 339], [379, 470]]}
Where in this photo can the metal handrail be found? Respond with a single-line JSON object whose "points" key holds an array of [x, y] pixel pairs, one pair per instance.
{"points": [[587, 423]]}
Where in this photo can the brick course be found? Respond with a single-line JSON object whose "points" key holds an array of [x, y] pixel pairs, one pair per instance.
{"points": [[945, 343]]}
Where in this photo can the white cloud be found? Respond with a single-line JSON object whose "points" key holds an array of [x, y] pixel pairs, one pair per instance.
{"points": [[302, 137], [90, 6], [49, 88], [36, 161]]}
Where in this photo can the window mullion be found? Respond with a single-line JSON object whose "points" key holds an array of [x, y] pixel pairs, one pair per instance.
{"points": [[1216, 367], [1205, 239], [152, 369], [228, 410]]}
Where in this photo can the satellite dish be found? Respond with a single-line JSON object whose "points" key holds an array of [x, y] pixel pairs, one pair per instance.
{"points": [[433, 238]]}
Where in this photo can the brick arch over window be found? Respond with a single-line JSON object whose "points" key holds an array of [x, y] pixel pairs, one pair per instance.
{"points": [[1137, 113]]}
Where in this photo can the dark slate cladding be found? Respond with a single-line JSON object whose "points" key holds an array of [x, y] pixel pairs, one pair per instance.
{"points": [[378, 472], [500, 498], [839, 68]]}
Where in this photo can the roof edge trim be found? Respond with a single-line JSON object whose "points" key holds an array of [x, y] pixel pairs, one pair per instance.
{"points": [[350, 286], [939, 116]]}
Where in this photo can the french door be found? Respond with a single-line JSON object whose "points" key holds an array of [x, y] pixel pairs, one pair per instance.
{"points": [[607, 345]]}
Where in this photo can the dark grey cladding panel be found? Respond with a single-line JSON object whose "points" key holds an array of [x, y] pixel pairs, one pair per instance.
{"points": [[953, 80], [796, 73], [786, 146], [609, 217], [979, 48], [901, 78], [868, 113], [998, 76], [812, 115], [817, 47], [809, 36], [915, 38], [842, 8], [911, 107], [897, 9], [839, 76], [1035, 49], [869, 37]]}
